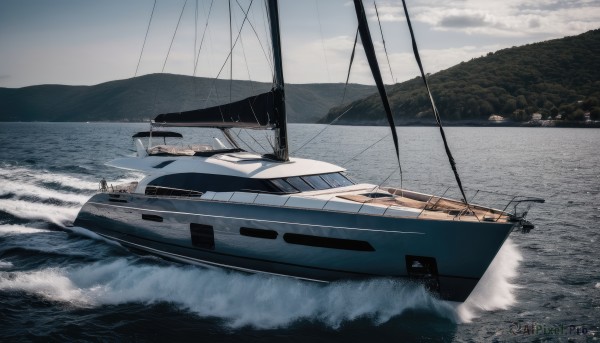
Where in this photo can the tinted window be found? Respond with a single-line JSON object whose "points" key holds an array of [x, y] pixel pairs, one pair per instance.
{"points": [[316, 182], [284, 186], [337, 180], [299, 184], [327, 242], [211, 182], [203, 236]]}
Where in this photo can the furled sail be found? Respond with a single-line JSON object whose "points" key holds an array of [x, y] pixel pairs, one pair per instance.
{"points": [[256, 112]]}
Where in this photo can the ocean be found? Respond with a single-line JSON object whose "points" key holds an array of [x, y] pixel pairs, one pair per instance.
{"points": [[63, 283]]}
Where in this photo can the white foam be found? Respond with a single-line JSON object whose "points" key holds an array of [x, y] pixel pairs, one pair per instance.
{"points": [[29, 210], [5, 264], [495, 290], [29, 175], [50, 283], [12, 229], [239, 299], [597, 285], [25, 189]]}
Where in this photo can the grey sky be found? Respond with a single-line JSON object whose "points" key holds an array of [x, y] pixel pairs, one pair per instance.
{"points": [[84, 42]]}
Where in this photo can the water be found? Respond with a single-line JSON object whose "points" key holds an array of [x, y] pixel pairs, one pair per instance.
{"points": [[61, 283]]}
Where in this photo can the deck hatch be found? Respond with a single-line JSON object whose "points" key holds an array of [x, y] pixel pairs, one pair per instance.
{"points": [[203, 236], [258, 233], [152, 217], [327, 242]]}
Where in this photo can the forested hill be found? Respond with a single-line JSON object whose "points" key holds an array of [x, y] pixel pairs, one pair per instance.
{"points": [[142, 98], [560, 76]]}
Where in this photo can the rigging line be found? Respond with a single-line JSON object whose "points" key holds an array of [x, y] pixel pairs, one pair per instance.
{"points": [[324, 128], [257, 37], [267, 36], [383, 40], [350, 66], [322, 42], [343, 97], [367, 148], [246, 60], [203, 34], [254, 139], [386, 179], [241, 140], [433, 107], [195, 33], [229, 55], [173, 39], [145, 37]]}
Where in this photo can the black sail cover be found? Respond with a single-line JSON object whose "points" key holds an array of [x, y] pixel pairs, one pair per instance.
{"points": [[254, 112]]}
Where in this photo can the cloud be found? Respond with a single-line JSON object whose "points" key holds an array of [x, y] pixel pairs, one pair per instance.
{"points": [[464, 20], [501, 18]]}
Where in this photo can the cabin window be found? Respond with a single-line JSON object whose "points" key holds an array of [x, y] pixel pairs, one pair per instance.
{"points": [[211, 182], [299, 184], [203, 236], [327, 242], [316, 182], [337, 180], [258, 233], [284, 186]]}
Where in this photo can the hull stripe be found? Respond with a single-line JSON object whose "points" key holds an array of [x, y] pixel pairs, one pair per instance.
{"points": [[259, 220]]}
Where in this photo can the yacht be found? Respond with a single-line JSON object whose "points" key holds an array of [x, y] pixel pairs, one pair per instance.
{"points": [[218, 205]]}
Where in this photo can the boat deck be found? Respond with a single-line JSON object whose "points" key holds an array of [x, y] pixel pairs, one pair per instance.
{"points": [[435, 208], [422, 206]]}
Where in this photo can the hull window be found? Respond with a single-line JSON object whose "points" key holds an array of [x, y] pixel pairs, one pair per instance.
{"points": [[152, 217], [423, 269], [203, 236], [327, 242], [258, 233]]}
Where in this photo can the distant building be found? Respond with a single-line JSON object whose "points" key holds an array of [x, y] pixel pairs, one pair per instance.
{"points": [[586, 116], [536, 116], [496, 118]]}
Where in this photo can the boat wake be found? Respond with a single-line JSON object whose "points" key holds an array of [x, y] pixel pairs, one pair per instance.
{"points": [[258, 301], [41, 195]]}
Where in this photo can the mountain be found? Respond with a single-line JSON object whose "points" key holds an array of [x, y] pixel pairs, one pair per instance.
{"points": [[560, 76], [142, 98]]}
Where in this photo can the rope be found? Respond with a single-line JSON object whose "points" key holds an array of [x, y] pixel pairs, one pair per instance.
{"points": [[382, 39], [174, 33], [145, 37]]}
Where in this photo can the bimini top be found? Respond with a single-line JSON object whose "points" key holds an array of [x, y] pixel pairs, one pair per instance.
{"points": [[157, 134]]}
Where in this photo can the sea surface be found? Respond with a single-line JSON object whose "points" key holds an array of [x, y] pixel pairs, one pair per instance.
{"points": [[63, 283]]}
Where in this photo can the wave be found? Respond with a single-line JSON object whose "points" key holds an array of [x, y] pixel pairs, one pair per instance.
{"points": [[496, 289], [59, 215], [14, 229], [238, 299], [20, 189], [30, 175], [257, 301], [5, 264]]}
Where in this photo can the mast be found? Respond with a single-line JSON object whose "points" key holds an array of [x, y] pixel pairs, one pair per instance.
{"points": [[281, 143]]}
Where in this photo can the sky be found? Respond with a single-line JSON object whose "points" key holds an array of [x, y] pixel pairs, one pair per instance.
{"points": [[86, 42]]}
